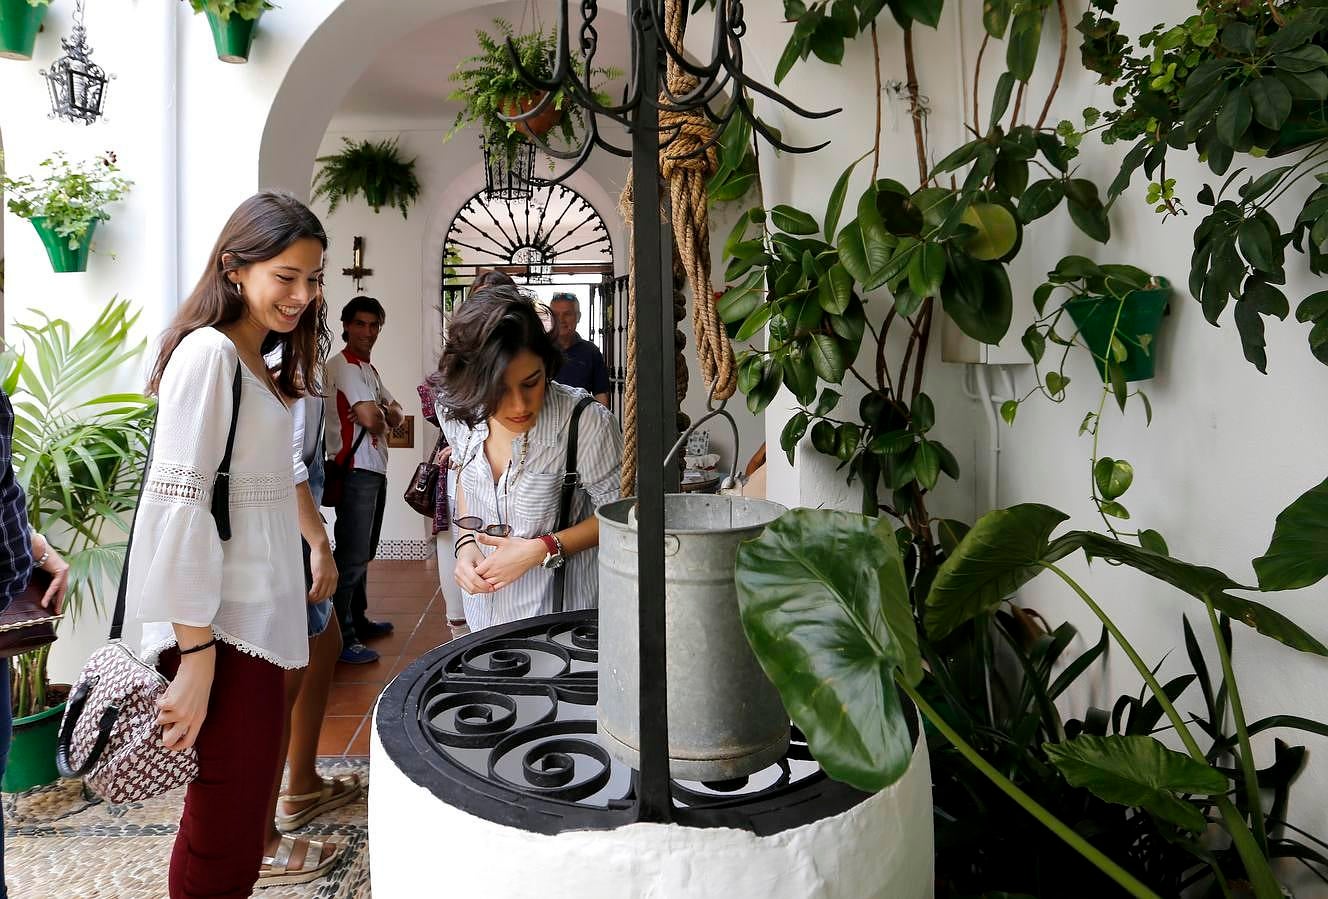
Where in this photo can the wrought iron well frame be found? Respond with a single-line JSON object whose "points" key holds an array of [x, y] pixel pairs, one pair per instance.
{"points": [[639, 113]]}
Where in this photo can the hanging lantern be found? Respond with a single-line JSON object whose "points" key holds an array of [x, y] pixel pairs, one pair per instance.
{"points": [[508, 174], [77, 84]]}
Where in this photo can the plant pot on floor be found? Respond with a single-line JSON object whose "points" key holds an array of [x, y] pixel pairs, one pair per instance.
{"points": [[538, 125], [19, 23], [1140, 318], [32, 752], [64, 259], [233, 36]]}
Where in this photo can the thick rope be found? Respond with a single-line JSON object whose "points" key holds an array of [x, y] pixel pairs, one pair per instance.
{"points": [[685, 169]]}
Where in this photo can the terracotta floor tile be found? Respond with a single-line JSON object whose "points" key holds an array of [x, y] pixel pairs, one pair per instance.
{"points": [[352, 699], [369, 673], [337, 732], [422, 643], [359, 745], [396, 604]]}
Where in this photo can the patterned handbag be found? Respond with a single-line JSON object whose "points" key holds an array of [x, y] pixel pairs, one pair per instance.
{"points": [[110, 721]]}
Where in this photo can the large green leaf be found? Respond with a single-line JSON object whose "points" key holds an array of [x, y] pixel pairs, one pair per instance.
{"points": [[1298, 553], [1002, 552], [825, 607], [1200, 582], [995, 231], [1138, 772]]}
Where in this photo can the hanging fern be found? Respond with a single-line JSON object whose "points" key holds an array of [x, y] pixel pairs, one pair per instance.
{"points": [[375, 170]]}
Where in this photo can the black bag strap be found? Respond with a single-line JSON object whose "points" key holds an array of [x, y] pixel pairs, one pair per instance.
{"points": [[220, 508], [570, 483], [355, 448]]}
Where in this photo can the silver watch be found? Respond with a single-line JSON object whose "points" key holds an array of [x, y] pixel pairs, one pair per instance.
{"points": [[554, 560]]}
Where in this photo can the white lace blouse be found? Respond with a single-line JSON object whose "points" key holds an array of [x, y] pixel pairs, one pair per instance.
{"points": [[249, 589]]}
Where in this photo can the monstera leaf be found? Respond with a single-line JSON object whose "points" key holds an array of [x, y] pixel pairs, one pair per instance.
{"points": [[825, 607]]}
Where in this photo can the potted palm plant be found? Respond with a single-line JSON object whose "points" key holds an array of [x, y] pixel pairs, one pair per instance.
{"points": [[20, 20], [373, 169], [65, 201], [490, 87], [79, 460], [233, 23]]}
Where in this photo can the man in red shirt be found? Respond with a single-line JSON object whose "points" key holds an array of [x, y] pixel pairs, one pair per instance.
{"points": [[360, 412]]}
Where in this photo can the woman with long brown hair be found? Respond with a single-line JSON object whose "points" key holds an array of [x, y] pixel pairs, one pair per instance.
{"points": [[224, 614]]}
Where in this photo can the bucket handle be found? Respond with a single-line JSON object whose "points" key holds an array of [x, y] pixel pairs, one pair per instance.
{"points": [[732, 480]]}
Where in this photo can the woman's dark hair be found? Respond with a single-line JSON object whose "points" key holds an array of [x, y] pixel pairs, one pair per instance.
{"points": [[490, 277], [356, 306], [261, 228], [483, 336]]}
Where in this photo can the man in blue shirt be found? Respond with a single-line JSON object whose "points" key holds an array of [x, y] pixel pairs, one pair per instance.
{"points": [[583, 364]]}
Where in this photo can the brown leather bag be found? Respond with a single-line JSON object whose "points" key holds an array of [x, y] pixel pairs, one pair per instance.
{"points": [[422, 494], [24, 624]]}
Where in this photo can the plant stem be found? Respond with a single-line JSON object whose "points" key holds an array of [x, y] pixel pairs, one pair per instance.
{"points": [[915, 108], [1256, 863], [1060, 63], [1251, 776], [1127, 880], [876, 70], [1191, 745]]}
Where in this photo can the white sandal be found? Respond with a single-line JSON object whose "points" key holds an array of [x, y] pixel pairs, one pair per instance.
{"points": [[328, 797], [276, 868]]}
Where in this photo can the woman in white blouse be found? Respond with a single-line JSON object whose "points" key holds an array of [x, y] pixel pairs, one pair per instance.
{"points": [[225, 619], [507, 423]]}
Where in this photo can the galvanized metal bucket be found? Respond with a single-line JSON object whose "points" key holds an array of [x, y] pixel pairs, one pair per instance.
{"points": [[725, 719]]}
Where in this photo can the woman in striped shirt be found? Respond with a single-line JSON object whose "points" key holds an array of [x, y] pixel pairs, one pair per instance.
{"points": [[507, 423]]}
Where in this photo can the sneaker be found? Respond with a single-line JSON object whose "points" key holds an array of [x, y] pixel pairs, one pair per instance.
{"points": [[371, 630], [358, 654]]}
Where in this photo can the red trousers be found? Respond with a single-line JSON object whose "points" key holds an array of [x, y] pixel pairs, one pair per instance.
{"points": [[219, 848]]}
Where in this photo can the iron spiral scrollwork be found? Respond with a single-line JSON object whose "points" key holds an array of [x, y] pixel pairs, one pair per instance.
{"points": [[502, 723]]}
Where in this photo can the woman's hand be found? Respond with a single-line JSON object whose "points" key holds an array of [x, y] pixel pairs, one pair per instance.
{"points": [[58, 569], [181, 710], [469, 558], [511, 559], [324, 571]]}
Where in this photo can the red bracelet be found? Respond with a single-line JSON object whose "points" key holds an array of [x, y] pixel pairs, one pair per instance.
{"points": [[550, 543]]}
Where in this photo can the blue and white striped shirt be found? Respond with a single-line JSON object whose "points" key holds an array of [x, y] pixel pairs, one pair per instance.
{"points": [[528, 501]]}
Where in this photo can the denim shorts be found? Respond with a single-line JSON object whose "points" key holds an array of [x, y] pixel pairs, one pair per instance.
{"points": [[319, 613]]}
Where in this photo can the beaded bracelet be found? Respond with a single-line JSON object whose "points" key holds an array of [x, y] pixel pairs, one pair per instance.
{"points": [[200, 647]]}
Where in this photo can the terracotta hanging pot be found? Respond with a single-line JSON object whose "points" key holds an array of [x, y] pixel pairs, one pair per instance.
{"points": [[536, 126]]}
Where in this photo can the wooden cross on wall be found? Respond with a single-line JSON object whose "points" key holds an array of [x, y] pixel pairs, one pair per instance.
{"points": [[357, 269]]}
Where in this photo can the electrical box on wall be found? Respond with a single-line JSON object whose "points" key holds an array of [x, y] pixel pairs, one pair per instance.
{"points": [[956, 346]]}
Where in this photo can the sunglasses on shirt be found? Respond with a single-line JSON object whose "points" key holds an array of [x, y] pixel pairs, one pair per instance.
{"points": [[476, 524]]}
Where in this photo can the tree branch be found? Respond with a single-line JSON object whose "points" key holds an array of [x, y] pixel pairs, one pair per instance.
{"points": [[876, 144], [919, 141], [1060, 62], [977, 76]]}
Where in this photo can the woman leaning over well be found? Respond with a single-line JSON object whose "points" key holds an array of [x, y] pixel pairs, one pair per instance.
{"points": [[508, 423]]}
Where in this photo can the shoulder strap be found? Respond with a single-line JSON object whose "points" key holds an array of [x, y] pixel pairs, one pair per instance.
{"points": [[354, 448], [222, 484], [221, 487], [570, 482]]}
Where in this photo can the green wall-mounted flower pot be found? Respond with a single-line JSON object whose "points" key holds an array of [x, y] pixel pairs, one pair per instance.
{"points": [[1140, 318], [32, 752], [233, 36], [19, 23], [64, 259]]}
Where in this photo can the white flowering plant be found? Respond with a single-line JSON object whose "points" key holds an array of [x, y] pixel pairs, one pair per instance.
{"points": [[70, 196]]}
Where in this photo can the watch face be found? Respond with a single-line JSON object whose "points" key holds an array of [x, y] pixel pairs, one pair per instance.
{"points": [[553, 560]]}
